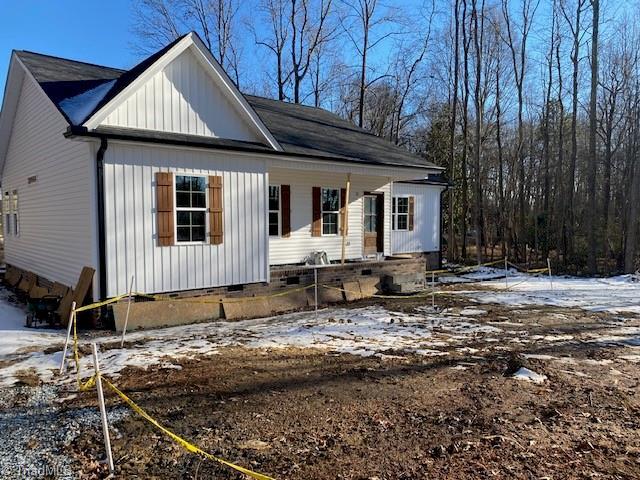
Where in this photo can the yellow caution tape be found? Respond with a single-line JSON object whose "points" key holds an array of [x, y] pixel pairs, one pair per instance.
{"points": [[537, 270], [444, 270], [473, 267], [181, 441], [75, 348], [88, 384], [101, 304], [524, 270], [190, 299], [416, 295], [230, 300]]}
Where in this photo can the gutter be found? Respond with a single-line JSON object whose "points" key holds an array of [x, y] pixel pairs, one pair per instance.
{"points": [[74, 131], [100, 201]]}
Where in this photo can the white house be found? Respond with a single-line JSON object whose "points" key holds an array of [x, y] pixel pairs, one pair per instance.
{"points": [[167, 173]]}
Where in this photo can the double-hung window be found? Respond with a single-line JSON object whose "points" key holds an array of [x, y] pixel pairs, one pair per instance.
{"points": [[400, 213], [14, 206], [6, 205], [274, 210], [330, 210], [191, 208]]}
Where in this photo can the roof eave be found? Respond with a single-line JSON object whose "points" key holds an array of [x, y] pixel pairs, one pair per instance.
{"points": [[84, 132]]}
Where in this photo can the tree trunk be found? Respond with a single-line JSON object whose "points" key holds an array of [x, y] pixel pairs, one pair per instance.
{"points": [[451, 247], [592, 166]]}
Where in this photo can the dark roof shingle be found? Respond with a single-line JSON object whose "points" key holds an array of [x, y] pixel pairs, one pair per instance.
{"points": [[299, 129]]}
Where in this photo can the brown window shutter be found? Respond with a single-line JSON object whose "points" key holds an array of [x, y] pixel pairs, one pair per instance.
{"points": [[285, 207], [164, 208], [343, 205], [316, 225], [215, 210], [411, 210]]}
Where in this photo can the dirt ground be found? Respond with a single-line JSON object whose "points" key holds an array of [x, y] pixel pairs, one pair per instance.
{"points": [[312, 414]]}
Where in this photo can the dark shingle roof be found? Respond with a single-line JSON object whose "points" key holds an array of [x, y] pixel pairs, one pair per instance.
{"points": [[299, 129], [62, 79], [313, 131]]}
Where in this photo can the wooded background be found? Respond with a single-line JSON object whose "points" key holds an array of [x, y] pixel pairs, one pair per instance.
{"points": [[532, 106]]}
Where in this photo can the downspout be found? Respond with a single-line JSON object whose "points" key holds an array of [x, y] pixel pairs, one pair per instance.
{"points": [[100, 203]]}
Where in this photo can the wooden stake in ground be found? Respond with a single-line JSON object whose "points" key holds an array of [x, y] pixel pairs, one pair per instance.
{"points": [[315, 280], [103, 410], [66, 342], [506, 272], [126, 318], [433, 290], [550, 277], [345, 218]]}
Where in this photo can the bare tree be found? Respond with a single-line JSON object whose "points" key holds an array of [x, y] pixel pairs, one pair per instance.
{"points": [[592, 165], [547, 135], [156, 23], [519, 60], [365, 16], [478, 43], [309, 32], [159, 22], [451, 244], [275, 40]]}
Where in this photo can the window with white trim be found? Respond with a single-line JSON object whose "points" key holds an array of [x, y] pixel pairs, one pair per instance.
{"points": [[14, 207], [6, 206], [330, 205], [274, 210], [191, 208], [400, 213]]}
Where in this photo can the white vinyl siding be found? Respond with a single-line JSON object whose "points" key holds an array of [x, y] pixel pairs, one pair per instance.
{"points": [[56, 213], [131, 229], [182, 98], [300, 244], [425, 236]]}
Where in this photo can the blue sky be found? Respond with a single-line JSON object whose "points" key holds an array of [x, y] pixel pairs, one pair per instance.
{"points": [[89, 30], [101, 32]]}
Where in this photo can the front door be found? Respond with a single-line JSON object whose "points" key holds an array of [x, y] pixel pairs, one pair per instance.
{"points": [[373, 215]]}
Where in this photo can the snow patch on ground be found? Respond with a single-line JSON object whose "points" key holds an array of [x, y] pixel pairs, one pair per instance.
{"points": [[360, 331], [524, 373], [614, 295], [472, 312], [14, 335]]}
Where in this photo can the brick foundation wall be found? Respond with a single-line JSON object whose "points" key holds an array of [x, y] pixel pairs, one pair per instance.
{"points": [[288, 277]]}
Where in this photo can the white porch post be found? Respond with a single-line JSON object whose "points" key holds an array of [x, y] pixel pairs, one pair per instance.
{"points": [[345, 218]]}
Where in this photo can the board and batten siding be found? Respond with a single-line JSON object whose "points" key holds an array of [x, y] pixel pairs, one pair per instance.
{"points": [[182, 98], [57, 210], [301, 243], [425, 236], [131, 230]]}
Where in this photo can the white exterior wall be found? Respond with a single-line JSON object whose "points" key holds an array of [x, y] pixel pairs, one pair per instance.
{"points": [[425, 236], [56, 213], [182, 98], [300, 244], [131, 229]]}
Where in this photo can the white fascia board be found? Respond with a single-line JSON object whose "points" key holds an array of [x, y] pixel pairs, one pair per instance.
{"points": [[10, 99], [292, 162], [98, 117], [16, 76], [397, 173]]}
